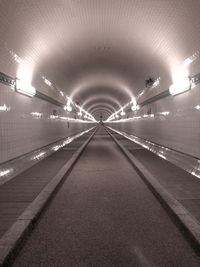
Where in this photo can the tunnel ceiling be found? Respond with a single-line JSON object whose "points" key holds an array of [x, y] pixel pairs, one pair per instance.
{"points": [[99, 52]]}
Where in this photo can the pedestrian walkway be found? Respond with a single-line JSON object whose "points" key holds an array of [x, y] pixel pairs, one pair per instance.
{"points": [[104, 216], [182, 185], [18, 193]]}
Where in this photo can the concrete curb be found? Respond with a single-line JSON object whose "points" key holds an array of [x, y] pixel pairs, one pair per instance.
{"points": [[10, 241], [189, 225]]}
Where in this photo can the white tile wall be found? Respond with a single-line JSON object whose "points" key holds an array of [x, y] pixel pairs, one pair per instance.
{"points": [[11, 168], [180, 130], [21, 132]]}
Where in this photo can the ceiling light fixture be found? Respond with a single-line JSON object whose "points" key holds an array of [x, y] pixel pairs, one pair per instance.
{"points": [[80, 112], [122, 113], [165, 113], [135, 107], [68, 108], [180, 86], [24, 88]]}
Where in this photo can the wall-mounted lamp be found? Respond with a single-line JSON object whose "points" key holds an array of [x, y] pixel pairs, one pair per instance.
{"points": [[180, 86], [122, 113], [24, 88], [80, 112], [68, 108], [135, 107]]}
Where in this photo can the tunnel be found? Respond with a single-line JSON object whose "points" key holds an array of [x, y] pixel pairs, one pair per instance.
{"points": [[99, 133]]}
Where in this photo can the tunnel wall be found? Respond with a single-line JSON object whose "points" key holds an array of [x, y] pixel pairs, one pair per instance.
{"points": [[22, 132], [179, 130]]}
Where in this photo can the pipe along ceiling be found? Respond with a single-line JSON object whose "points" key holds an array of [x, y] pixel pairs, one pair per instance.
{"points": [[99, 52]]}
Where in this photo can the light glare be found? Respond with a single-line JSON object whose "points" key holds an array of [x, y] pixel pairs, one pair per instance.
{"points": [[4, 108], [36, 114], [38, 156], [180, 86], [165, 113], [197, 107], [25, 88], [135, 107], [46, 81], [122, 113], [3, 173], [69, 108]]}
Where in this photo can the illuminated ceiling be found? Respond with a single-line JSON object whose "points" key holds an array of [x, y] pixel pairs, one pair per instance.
{"points": [[99, 51]]}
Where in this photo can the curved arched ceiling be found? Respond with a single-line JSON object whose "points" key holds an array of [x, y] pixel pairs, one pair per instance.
{"points": [[100, 51]]}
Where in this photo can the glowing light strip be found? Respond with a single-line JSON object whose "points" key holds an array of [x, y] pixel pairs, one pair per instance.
{"points": [[181, 86], [24, 88]]}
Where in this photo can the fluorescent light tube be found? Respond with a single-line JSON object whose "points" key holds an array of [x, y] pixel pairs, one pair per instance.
{"points": [[24, 88], [180, 86]]}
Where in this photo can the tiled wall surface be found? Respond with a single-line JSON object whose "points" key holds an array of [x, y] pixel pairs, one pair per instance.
{"points": [[185, 162], [179, 129], [11, 168], [21, 131], [173, 121]]}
